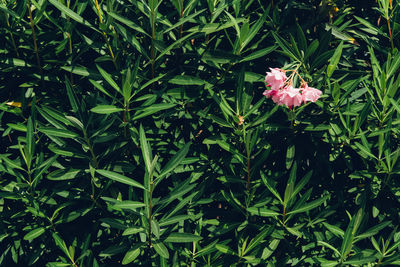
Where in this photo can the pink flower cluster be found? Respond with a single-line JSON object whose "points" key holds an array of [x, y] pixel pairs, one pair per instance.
{"points": [[282, 92]]}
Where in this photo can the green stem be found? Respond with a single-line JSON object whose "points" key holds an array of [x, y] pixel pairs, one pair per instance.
{"points": [[153, 37], [248, 174], [150, 213], [105, 36], [181, 27], [12, 36], [390, 30], [34, 36], [94, 162]]}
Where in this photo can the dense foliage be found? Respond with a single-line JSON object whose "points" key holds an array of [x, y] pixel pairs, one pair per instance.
{"points": [[136, 132]]}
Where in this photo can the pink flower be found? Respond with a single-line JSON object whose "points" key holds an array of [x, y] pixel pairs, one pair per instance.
{"points": [[275, 79], [310, 94], [274, 94], [290, 97]]}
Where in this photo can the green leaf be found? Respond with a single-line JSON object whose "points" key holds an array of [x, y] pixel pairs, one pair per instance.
{"points": [[256, 241], [360, 260], [301, 184], [113, 250], [128, 23], [225, 249], [365, 151], [285, 47], [290, 152], [262, 212], [55, 115], [184, 19], [333, 62], [146, 149], [214, 27], [57, 264], [81, 71], [72, 97], [147, 111], [63, 174], [371, 28], [186, 80], [61, 244], [373, 230], [349, 235], [301, 38], [327, 245], [267, 252], [133, 230], [182, 238], [311, 49], [308, 206], [259, 53], [174, 161], [131, 255], [10, 163], [58, 132], [105, 109], [30, 136], [109, 79], [219, 120], [254, 29], [393, 67], [161, 249], [270, 187], [290, 184], [35, 233], [174, 44], [120, 178], [128, 204], [173, 220], [71, 13], [100, 87], [18, 127], [395, 105], [334, 230]]}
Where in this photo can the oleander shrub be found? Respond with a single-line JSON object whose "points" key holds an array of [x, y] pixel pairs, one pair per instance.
{"points": [[148, 133]]}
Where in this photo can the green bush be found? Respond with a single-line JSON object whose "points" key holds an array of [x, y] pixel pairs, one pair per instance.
{"points": [[136, 132]]}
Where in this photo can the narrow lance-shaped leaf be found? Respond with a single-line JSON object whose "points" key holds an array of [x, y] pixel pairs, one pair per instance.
{"points": [[290, 184], [58, 132], [106, 109], [271, 188], [182, 238], [290, 152], [174, 162], [225, 249], [73, 15], [109, 79], [152, 109], [333, 62], [146, 149], [61, 244], [301, 184], [161, 249], [120, 178], [130, 256], [35, 233], [29, 136], [308, 206], [350, 234], [262, 212], [72, 97]]}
